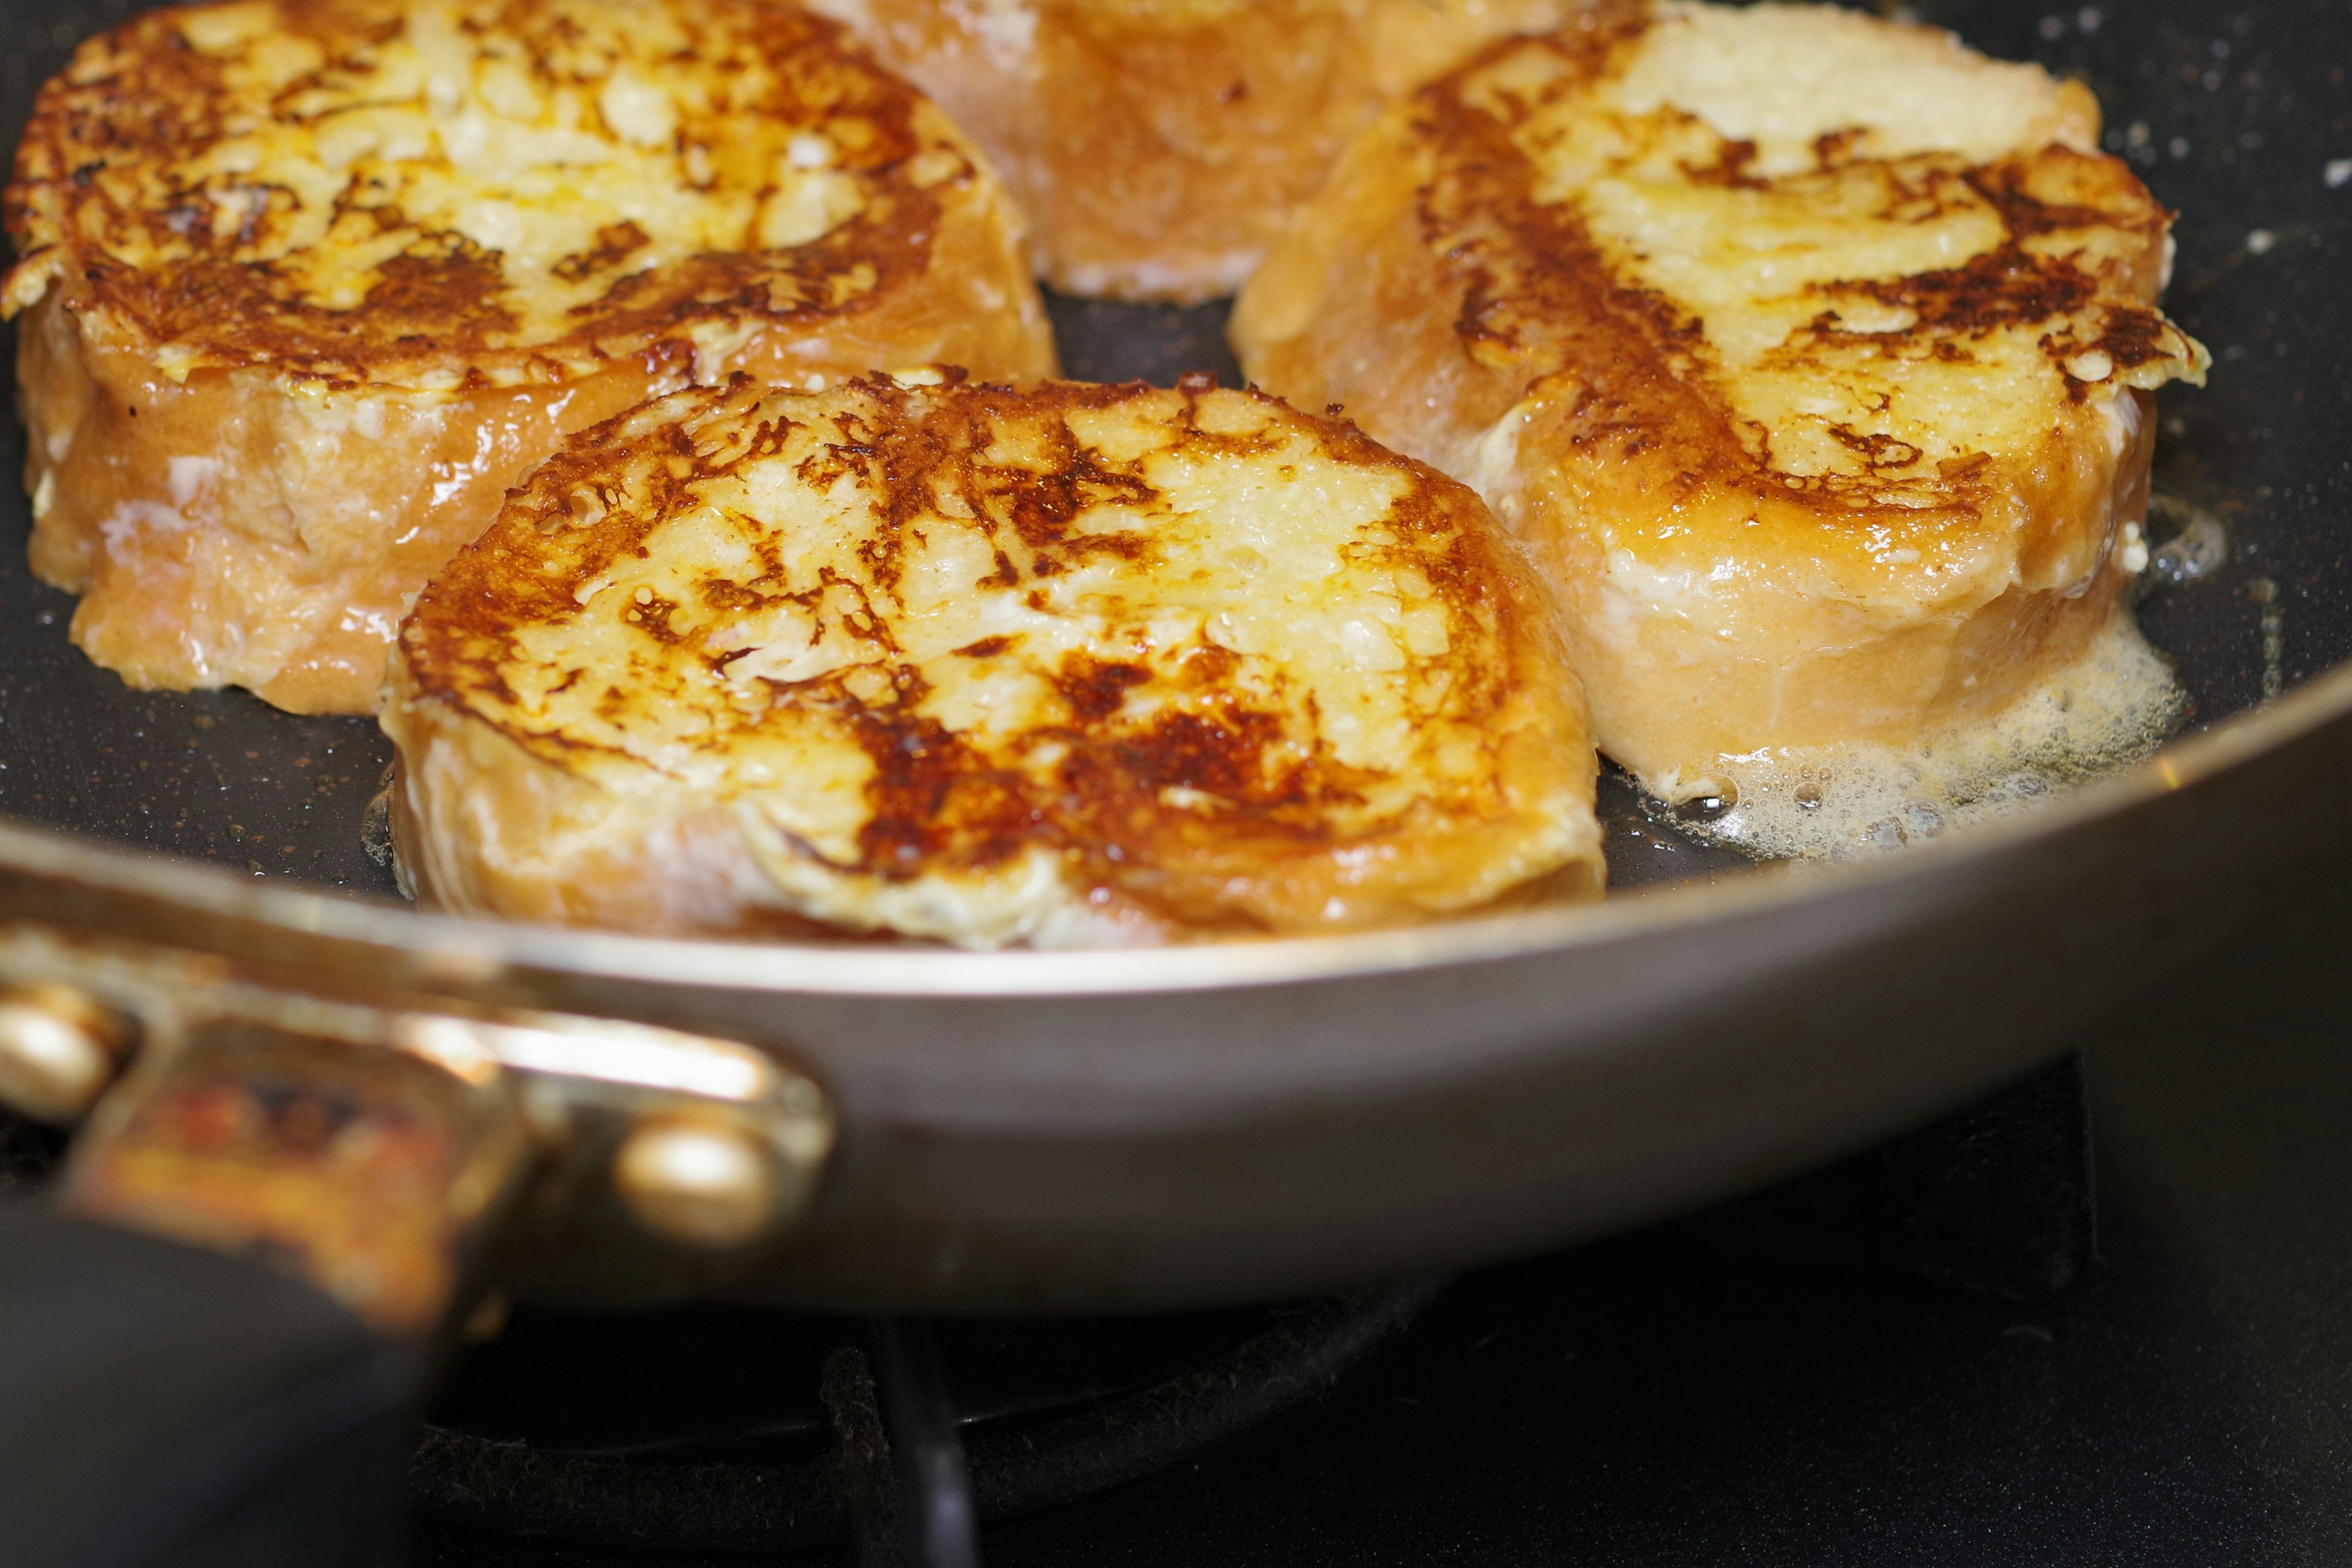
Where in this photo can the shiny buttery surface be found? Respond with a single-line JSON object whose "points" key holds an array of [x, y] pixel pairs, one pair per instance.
{"points": [[1053, 663]]}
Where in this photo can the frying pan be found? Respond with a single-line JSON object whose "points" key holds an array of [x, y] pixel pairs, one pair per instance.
{"points": [[939, 1132]]}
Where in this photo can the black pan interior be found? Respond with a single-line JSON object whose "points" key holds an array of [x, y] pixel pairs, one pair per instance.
{"points": [[2239, 118]]}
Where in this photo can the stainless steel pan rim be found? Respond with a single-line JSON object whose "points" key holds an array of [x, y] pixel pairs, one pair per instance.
{"points": [[467, 948]]}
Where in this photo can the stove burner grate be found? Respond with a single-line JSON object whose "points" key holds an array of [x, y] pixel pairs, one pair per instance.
{"points": [[732, 1430]]}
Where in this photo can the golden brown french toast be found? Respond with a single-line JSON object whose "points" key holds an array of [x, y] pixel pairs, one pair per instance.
{"points": [[1158, 146], [1811, 354], [1053, 664], [308, 283]]}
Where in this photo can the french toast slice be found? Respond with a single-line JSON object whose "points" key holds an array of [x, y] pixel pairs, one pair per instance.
{"points": [[1050, 664], [307, 284], [1811, 354], [1158, 146]]}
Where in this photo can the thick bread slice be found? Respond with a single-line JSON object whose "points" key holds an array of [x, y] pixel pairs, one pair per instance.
{"points": [[310, 282], [1811, 354], [1058, 664], [1158, 146]]}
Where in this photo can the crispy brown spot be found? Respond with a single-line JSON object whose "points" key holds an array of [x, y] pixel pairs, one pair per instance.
{"points": [[2132, 337], [1220, 753], [2002, 287], [452, 293], [615, 243], [1835, 148], [1095, 688], [1729, 167], [935, 801], [1876, 451], [2027, 215]]}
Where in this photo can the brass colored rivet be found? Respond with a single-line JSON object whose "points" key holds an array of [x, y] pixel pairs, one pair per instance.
{"points": [[697, 1179], [59, 1051]]}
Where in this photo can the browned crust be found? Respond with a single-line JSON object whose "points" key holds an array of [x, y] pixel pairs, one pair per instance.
{"points": [[140, 98], [940, 801], [289, 581], [1430, 293], [1445, 197]]}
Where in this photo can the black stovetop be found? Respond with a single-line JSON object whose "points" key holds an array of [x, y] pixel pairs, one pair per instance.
{"points": [[1746, 1387]]}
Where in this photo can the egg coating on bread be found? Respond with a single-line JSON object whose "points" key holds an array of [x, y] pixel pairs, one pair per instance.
{"points": [[1811, 354], [310, 282], [1158, 146], [1053, 664]]}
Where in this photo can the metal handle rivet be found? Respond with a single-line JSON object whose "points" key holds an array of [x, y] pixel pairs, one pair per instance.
{"points": [[696, 1180], [59, 1051]]}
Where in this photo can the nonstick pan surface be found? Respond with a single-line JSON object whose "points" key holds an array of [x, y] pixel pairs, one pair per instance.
{"points": [[2234, 118]]}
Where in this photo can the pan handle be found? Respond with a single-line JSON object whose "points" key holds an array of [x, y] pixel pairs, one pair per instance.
{"points": [[162, 1404], [398, 1152], [296, 1195], [372, 1171]]}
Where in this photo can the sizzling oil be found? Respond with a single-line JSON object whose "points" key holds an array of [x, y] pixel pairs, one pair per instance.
{"points": [[2115, 705]]}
